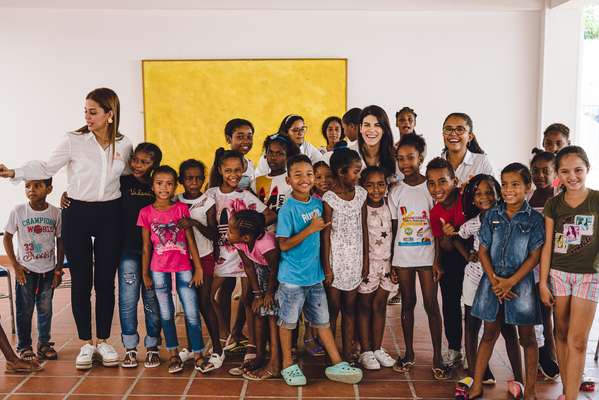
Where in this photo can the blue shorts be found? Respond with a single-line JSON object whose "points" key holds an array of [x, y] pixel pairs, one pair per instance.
{"points": [[293, 299]]}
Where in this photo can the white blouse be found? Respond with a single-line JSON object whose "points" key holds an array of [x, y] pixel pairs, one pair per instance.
{"points": [[93, 173], [473, 164]]}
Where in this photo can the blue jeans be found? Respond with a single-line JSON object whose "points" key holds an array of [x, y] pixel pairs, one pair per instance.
{"points": [[191, 308], [130, 282], [37, 293], [293, 299]]}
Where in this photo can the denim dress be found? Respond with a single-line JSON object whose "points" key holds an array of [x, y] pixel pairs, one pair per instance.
{"points": [[509, 243]]}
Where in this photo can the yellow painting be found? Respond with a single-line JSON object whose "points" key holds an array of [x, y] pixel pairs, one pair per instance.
{"points": [[188, 102]]}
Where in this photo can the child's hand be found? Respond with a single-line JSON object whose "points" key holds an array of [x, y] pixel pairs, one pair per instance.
{"points": [[546, 296], [57, 278], [448, 229], [365, 272], [6, 172], [328, 277], [437, 272], [268, 300], [503, 288], [394, 275], [65, 202], [473, 257], [197, 279], [256, 304], [186, 223], [147, 281], [20, 274], [317, 224]]}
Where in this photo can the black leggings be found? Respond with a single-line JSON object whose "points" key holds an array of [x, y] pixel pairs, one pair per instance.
{"points": [[92, 264], [451, 284]]}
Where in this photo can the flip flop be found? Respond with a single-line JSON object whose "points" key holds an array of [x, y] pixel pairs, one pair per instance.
{"points": [[402, 365], [440, 374], [252, 376], [515, 389], [31, 367]]}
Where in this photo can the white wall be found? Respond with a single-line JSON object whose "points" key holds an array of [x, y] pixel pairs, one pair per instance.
{"points": [[485, 63]]}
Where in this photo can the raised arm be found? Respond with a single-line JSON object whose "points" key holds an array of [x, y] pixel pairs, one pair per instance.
{"points": [[40, 169]]}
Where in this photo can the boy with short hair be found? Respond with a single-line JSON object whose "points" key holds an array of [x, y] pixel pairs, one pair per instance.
{"points": [[38, 265], [301, 274]]}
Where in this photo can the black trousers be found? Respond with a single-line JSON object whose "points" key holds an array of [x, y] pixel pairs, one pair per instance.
{"points": [[92, 264], [453, 265]]}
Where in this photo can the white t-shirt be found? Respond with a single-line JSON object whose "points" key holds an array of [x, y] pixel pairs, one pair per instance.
{"points": [[248, 179], [273, 190], [472, 165], [471, 228], [229, 263], [198, 209], [414, 242], [36, 232]]}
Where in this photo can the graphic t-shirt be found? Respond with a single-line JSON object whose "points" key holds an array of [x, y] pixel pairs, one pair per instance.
{"points": [[262, 246], [301, 264], [135, 195], [198, 209], [470, 229], [36, 233], [272, 190], [170, 252], [414, 242], [453, 215], [229, 263], [379, 233], [575, 234]]}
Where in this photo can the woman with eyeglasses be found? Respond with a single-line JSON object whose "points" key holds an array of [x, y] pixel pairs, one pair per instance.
{"points": [[467, 160], [462, 149], [293, 127]]}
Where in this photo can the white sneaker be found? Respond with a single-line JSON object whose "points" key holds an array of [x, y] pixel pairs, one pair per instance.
{"points": [[453, 357], [186, 355], [384, 358], [107, 354], [368, 361], [85, 358]]}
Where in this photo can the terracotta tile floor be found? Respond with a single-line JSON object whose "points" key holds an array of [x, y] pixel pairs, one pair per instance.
{"points": [[60, 379]]}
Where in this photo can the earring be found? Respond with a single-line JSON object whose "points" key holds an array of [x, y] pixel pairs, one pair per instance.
{"points": [[110, 120]]}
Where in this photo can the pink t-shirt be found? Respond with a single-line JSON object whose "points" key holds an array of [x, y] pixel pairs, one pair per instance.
{"points": [[262, 246], [170, 244]]}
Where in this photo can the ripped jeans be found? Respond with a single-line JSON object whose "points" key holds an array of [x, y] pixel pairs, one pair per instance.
{"points": [[130, 283]]}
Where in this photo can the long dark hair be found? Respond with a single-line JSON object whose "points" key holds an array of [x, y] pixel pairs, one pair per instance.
{"points": [[472, 145], [216, 179], [470, 210], [325, 126], [386, 157], [287, 123]]}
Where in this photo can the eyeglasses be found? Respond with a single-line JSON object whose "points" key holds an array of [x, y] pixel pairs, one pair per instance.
{"points": [[460, 130], [303, 129]]}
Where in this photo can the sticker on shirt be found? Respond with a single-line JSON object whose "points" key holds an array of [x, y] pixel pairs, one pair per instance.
{"points": [[560, 244], [586, 224], [572, 233], [414, 229]]}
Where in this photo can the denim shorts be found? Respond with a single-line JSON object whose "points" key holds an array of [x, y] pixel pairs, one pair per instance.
{"points": [[293, 299]]}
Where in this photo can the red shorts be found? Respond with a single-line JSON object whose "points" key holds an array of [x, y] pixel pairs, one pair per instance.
{"points": [[208, 264]]}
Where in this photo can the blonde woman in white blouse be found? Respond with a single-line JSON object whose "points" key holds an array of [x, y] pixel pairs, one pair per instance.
{"points": [[95, 157]]}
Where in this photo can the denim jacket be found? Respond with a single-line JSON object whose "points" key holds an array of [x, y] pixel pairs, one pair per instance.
{"points": [[509, 243]]}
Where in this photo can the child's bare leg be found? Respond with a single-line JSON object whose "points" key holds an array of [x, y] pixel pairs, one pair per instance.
{"points": [[528, 341], [334, 303], [407, 284], [246, 301], [512, 348], [364, 318], [472, 325], [429, 289], [285, 336], [219, 305], [578, 335], [241, 316], [562, 322], [260, 338], [379, 313], [485, 349], [348, 318], [548, 331], [207, 310], [328, 342]]}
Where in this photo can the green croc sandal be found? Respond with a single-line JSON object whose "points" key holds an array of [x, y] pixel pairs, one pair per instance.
{"points": [[343, 372], [294, 376]]}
